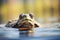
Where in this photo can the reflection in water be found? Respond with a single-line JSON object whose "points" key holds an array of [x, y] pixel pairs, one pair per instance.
{"points": [[39, 34]]}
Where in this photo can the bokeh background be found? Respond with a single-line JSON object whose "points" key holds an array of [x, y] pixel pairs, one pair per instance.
{"points": [[45, 11]]}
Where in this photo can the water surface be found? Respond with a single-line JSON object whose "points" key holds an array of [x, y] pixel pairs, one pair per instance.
{"points": [[38, 34]]}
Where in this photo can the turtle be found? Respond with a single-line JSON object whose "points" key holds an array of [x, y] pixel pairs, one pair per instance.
{"points": [[25, 22]]}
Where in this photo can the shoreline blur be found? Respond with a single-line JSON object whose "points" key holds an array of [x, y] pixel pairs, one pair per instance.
{"points": [[44, 10]]}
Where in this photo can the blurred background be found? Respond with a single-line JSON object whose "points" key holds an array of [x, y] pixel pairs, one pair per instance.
{"points": [[45, 11]]}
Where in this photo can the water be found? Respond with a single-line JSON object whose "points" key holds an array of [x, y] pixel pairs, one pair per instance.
{"points": [[38, 34]]}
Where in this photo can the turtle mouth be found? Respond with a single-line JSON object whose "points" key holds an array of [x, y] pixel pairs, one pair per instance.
{"points": [[25, 29], [26, 26]]}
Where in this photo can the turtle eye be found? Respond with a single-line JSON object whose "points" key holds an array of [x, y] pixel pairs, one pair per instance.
{"points": [[31, 15], [20, 16]]}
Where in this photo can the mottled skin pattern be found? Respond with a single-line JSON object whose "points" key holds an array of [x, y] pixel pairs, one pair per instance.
{"points": [[25, 22]]}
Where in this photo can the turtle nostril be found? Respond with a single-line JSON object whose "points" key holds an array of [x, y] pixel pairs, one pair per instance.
{"points": [[26, 19]]}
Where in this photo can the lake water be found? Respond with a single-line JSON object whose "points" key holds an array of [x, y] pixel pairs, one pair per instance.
{"points": [[38, 34]]}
